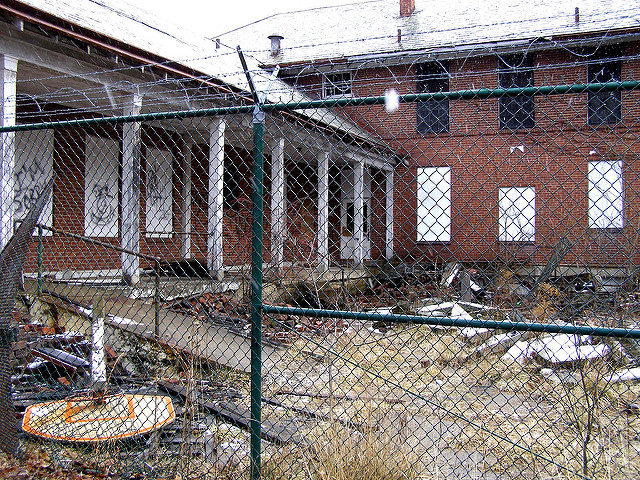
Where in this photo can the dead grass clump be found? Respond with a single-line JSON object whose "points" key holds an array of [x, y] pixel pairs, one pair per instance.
{"points": [[343, 454]]}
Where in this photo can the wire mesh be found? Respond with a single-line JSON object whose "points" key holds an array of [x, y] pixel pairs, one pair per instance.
{"points": [[448, 290]]}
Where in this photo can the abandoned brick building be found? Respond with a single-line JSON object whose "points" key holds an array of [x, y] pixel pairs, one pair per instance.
{"points": [[499, 177], [466, 179]]}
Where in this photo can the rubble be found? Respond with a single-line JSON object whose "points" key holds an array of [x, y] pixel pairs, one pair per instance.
{"points": [[624, 375], [498, 344]]}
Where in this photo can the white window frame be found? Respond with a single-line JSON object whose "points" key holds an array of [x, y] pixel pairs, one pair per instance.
{"points": [[330, 84], [517, 214], [606, 194], [433, 222]]}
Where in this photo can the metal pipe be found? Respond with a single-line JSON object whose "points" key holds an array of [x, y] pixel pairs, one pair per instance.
{"points": [[257, 233], [456, 322], [480, 93], [99, 243], [256, 299]]}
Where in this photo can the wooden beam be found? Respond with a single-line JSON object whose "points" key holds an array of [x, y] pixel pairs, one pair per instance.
{"points": [[8, 78], [130, 193], [215, 259], [358, 210], [278, 202], [389, 214], [323, 210], [185, 219]]}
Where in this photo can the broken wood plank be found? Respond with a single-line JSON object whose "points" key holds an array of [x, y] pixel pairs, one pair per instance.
{"points": [[237, 415], [338, 397], [321, 416], [61, 358]]}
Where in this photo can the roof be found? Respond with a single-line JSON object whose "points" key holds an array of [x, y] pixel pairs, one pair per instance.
{"points": [[343, 32], [140, 29]]}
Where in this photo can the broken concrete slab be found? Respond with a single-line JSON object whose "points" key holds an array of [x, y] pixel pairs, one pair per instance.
{"points": [[520, 352], [438, 309], [498, 344], [476, 335], [624, 375], [460, 313], [571, 354]]}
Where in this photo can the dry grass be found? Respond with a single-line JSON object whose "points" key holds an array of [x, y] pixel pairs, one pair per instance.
{"points": [[342, 454]]}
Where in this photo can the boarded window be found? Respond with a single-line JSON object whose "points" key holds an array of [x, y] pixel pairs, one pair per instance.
{"points": [[101, 187], [605, 195], [33, 170], [433, 115], [517, 214], [159, 197], [434, 204], [516, 112]]}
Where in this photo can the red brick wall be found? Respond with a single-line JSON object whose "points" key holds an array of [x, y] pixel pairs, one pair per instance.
{"points": [[554, 162]]}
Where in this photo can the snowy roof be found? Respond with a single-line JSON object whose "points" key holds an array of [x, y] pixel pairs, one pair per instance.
{"points": [[141, 29], [343, 32]]}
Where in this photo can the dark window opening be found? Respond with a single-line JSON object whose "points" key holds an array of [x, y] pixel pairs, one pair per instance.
{"points": [[336, 85], [604, 108], [516, 112], [350, 220], [433, 115], [231, 184]]}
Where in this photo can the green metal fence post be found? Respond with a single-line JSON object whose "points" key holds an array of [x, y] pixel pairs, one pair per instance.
{"points": [[257, 231], [256, 301]]}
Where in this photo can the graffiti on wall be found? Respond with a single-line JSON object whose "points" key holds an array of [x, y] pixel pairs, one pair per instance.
{"points": [[33, 171], [101, 187], [158, 187]]}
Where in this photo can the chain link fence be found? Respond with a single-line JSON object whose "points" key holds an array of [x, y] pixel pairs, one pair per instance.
{"points": [[429, 272]]}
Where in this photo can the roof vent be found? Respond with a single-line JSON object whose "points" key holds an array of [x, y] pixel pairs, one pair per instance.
{"points": [[275, 44]]}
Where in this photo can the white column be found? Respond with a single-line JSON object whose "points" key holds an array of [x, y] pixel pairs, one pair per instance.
{"points": [[185, 220], [216, 200], [131, 192], [278, 203], [358, 207], [323, 210], [8, 72], [389, 215]]}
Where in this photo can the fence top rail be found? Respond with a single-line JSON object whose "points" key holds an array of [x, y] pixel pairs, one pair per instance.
{"points": [[471, 94], [521, 326]]}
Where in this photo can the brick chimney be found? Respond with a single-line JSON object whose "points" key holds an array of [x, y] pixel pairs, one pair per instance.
{"points": [[407, 7]]}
